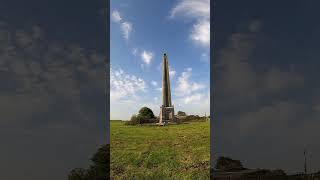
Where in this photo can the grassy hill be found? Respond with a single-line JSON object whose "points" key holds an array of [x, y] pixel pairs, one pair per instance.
{"points": [[152, 152]]}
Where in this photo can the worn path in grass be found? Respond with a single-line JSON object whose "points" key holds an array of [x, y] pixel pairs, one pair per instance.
{"points": [[153, 152]]}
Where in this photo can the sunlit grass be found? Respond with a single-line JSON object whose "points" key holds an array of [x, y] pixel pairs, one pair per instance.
{"points": [[153, 152]]}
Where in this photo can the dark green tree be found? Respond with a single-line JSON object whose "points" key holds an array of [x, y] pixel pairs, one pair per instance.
{"points": [[100, 168], [146, 113], [78, 174]]}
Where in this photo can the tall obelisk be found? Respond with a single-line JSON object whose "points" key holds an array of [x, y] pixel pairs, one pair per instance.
{"points": [[167, 109]]}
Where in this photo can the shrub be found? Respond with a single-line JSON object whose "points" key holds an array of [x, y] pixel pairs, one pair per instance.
{"points": [[181, 113], [135, 119], [227, 164], [145, 115], [279, 172], [178, 119], [194, 118]]}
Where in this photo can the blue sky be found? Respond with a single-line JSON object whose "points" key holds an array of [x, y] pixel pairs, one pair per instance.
{"points": [[140, 32]]}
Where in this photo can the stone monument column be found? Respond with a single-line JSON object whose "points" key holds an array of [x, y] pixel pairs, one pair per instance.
{"points": [[167, 109]]}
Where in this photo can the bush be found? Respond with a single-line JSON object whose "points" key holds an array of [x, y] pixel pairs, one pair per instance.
{"points": [[279, 172], [194, 118], [145, 115], [181, 113], [228, 164], [134, 120], [178, 119]]}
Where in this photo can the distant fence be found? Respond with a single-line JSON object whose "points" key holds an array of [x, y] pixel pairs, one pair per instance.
{"points": [[265, 177]]}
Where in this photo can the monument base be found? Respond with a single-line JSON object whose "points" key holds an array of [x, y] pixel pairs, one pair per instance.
{"points": [[160, 124], [166, 115]]}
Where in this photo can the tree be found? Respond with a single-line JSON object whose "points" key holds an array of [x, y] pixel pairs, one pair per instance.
{"points": [[78, 174], [146, 113], [99, 170]]}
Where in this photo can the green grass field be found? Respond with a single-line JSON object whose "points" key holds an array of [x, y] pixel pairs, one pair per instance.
{"points": [[167, 152]]}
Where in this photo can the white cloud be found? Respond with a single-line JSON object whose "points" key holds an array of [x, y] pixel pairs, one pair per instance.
{"points": [[154, 83], [196, 103], [186, 87], [201, 33], [172, 72], [115, 16], [193, 98], [146, 56], [126, 28], [200, 12], [124, 86], [191, 8]]}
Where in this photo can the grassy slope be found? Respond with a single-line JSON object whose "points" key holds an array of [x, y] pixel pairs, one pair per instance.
{"points": [[152, 152]]}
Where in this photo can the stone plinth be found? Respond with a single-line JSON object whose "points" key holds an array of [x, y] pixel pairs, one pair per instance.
{"points": [[166, 115]]}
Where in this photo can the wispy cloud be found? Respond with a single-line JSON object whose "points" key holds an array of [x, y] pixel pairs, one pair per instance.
{"points": [[146, 56], [195, 103], [115, 16], [192, 9], [185, 86], [124, 85], [126, 26], [201, 33], [193, 98], [198, 11], [172, 72]]}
